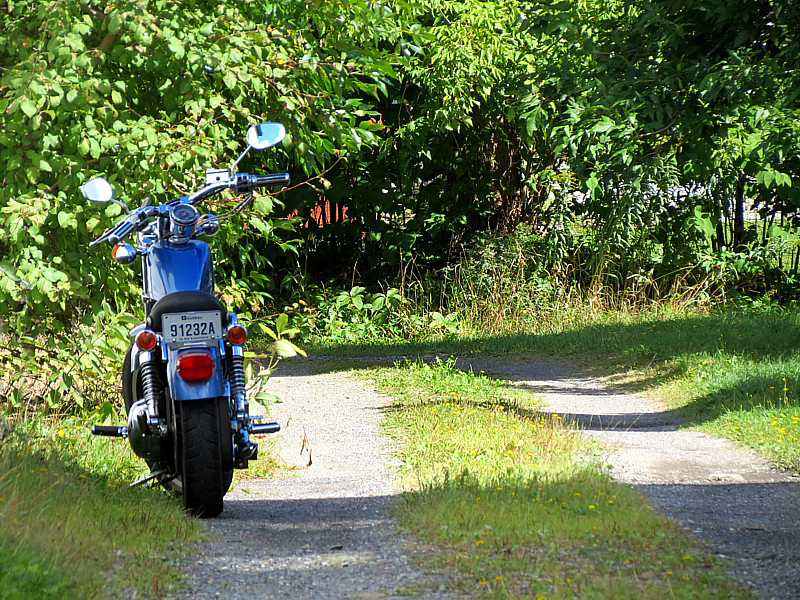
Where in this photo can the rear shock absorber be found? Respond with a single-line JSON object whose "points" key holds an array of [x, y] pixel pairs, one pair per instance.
{"points": [[153, 392], [237, 381], [245, 449]]}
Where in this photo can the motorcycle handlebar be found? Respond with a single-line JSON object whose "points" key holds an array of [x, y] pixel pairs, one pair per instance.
{"points": [[241, 184], [121, 229], [274, 179], [121, 233], [245, 183], [105, 236]]}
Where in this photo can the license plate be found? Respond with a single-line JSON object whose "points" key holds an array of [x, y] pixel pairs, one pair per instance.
{"points": [[196, 326]]}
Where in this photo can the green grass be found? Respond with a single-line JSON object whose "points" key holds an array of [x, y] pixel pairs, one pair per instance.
{"points": [[516, 504], [721, 371], [71, 527], [734, 374]]}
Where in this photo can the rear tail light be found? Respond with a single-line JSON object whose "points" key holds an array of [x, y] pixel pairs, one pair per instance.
{"points": [[146, 340], [237, 335], [195, 366]]}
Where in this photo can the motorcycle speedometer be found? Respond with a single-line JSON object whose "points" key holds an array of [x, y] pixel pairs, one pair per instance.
{"points": [[185, 215]]}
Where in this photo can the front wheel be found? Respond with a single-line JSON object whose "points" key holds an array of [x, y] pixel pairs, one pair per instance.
{"points": [[205, 454]]}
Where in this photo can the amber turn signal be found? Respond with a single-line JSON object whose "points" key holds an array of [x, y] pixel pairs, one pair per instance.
{"points": [[146, 340], [237, 334], [124, 254]]}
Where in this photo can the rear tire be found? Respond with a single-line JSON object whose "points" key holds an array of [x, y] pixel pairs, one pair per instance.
{"points": [[205, 454], [127, 384]]}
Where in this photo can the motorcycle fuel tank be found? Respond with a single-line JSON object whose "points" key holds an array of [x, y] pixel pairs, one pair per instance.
{"points": [[172, 268]]}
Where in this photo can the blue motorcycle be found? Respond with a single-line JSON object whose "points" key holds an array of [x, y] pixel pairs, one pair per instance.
{"points": [[183, 379]]}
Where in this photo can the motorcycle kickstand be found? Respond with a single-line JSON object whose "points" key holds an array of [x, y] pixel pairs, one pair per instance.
{"points": [[150, 477]]}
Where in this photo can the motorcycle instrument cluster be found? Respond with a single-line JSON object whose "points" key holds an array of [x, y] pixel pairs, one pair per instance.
{"points": [[183, 220]]}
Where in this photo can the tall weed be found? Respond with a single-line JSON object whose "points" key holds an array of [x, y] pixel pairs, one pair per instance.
{"points": [[504, 284]]}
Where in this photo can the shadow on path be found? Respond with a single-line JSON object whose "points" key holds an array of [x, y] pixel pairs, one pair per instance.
{"points": [[754, 524], [334, 547]]}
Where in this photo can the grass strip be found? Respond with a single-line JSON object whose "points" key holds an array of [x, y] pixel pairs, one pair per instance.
{"points": [[733, 373], [71, 527], [517, 505]]}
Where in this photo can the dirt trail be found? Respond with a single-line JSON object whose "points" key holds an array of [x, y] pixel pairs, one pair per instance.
{"points": [[727, 496], [323, 531]]}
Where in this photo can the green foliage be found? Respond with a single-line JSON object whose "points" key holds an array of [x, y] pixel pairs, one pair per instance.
{"points": [[359, 317], [150, 97], [280, 334], [25, 575], [355, 315], [501, 279], [649, 147], [635, 139], [74, 369]]}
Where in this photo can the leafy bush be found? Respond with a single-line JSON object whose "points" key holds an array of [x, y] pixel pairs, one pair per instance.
{"points": [[72, 370], [150, 97]]}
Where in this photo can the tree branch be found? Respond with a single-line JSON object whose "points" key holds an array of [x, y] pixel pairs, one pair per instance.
{"points": [[105, 45], [109, 39], [95, 14]]}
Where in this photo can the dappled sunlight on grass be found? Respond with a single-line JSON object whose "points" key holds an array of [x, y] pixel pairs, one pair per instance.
{"points": [[580, 536], [706, 366], [70, 519], [518, 503]]}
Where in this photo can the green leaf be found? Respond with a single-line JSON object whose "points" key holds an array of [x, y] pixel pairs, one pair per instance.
{"points": [[281, 322], [284, 348], [67, 220], [604, 125], [766, 178], [592, 184], [94, 148], [271, 333], [783, 179], [114, 22], [28, 107], [266, 398]]}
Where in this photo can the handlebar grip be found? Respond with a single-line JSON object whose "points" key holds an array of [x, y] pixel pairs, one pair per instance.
{"points": [[274, 179], [245, 182], [121, 233]]}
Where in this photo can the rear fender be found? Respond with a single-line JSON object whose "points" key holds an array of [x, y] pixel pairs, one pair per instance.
{"points": [[180, 390]]}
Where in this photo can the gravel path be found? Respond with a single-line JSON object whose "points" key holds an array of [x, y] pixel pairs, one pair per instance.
{"points": [[322, 531], [726, 495]]}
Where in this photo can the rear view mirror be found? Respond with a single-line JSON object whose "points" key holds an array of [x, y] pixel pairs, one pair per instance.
{"points": [[97, 190], [265, 135]]}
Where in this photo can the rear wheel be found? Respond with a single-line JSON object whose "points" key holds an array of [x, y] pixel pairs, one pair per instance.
{"points": [[205, 454], [127, 384]]}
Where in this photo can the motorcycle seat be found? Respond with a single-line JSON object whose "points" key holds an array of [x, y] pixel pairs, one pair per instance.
{"points": [[177, 302]]}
